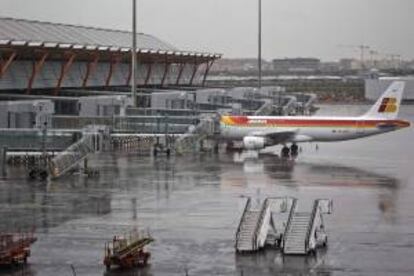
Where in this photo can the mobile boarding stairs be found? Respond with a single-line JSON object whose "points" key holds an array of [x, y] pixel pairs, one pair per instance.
{"points": [[278, 223]]}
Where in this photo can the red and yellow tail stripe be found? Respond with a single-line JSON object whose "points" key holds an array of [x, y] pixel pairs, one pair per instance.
{"points": [[388, 105]]}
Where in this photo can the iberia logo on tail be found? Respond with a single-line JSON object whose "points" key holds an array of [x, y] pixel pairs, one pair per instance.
{"points": [[388, 105]]}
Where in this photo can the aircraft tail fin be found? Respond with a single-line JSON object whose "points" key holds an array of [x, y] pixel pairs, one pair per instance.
{"points": [[388, 105]]}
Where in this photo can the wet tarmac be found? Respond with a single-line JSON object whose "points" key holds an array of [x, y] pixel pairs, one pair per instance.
{"points": [[192, 206]]}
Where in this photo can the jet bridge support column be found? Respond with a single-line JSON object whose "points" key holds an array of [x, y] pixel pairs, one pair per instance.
{"points": [[115, 59], [164, 76], [196, 65], [64, 71], [149, 72], [37, 67], [90, 68], [180, 73], [208, 67], [5, 65], [4, 161]]}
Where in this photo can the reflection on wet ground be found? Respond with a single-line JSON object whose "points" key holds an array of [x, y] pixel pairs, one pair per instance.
{"points": [[192, 205], [273, 262]]}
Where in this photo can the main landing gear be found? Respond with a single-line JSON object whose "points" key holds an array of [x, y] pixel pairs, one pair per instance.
{"points": [[294, 150], [287, 152]]}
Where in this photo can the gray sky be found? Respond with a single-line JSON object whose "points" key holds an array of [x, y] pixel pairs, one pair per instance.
{"points": [[291, 28]]}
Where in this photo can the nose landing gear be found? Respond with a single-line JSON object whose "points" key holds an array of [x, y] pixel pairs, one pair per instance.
{"points": [[285, 153]]}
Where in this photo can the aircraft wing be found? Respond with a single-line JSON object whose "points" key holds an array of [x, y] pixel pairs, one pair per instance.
{"points": [[277, 137]]}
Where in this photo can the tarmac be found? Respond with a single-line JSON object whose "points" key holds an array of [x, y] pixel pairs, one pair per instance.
{"points": [[192, 205]]}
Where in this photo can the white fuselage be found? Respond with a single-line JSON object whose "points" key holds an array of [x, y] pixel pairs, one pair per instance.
{"points": [[307, 129]]}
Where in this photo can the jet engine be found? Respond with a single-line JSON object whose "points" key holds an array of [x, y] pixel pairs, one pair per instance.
{"points": [[254, 143]]}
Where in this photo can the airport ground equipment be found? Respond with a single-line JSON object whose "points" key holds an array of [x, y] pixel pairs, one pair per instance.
{"points": [[15, 248], [253, 227], [305, 231], [305, 103], [141, 124], [277, 223], [287, 105], [26, 113], [189, 141], [127, 251], [160, 148], [33, 140], [266, 109], [90, 143], [257, 226], [295, 236]]}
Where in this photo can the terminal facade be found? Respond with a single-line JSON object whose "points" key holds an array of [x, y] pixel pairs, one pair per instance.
{"points": [[40, 55]]}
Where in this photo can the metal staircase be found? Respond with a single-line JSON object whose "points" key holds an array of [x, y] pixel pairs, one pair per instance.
{"points": [[245, 239], [90, 143], [266, 109], [305, 231], [296, 234], [253, 228], [189, 141]]}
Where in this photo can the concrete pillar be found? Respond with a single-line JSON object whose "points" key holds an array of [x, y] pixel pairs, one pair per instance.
{"points": [[4, 161], [216, 147], [85, 164], [201, 145]]}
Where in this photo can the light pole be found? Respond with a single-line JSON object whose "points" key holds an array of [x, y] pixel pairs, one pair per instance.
{"points": [[134, 54], [259, 62]]}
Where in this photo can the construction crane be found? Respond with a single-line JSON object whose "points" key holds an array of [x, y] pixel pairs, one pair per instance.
{"points": [[395, 60], [373, 54], [362, 48]]}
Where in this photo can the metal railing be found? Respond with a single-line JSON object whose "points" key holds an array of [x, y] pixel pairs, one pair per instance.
{"points": [[315, 210], [262, 215], [136, 124], [265, 109], [289, 221], [69, 158], [161, 112], [33, 139], [76, 122], [246, 208], [195, 134]]}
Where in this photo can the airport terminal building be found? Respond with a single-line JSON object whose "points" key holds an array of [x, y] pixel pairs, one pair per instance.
{"points": [[40, 55]]}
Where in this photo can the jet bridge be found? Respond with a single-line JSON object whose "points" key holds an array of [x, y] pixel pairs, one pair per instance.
{"points": [[277, 223]]}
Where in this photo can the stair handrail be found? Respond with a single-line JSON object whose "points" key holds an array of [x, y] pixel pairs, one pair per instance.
{"points": [[262, 214], [197, 133], [289, 221], [72, 156], [315, 210], [246, 208], [267, 104]]}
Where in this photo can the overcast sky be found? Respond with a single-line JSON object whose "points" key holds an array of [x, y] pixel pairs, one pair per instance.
{"points": [[291, 28]]}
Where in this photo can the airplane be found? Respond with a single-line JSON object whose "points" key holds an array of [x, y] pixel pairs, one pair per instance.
{"points": [[258, 132]]}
